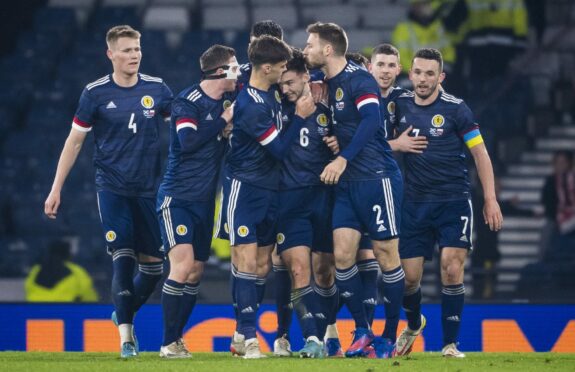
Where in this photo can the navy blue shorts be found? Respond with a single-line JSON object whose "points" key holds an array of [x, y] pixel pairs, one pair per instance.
{"points": [[370, 206], [365, 242], [186, 222], [447, 223], [305, 219], [130, 222], [250, 213]]}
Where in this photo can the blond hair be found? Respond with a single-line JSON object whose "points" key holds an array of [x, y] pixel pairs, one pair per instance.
{"points": [[117, 32]]}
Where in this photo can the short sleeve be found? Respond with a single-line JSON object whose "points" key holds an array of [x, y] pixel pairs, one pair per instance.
{"points": [[85, 113], [364, 90], [466, 126], [166, 102], [259, 123], [184, 114]]}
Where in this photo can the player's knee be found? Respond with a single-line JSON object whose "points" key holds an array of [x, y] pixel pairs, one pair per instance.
{"points": [[300, 272], [344, 258], [325, 278], [412, 280], [452, 271]]}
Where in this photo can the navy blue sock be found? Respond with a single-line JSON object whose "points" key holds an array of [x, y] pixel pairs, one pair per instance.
{"points": [[305, 303], [328, 305], [246, 296], [123, 264], [189, 297], [452, 299], [393, 287], [260, 289], [233, 282], [172, 296], [368, 270], [349, 284], [412, 308], [283, 300], [149, 274]]}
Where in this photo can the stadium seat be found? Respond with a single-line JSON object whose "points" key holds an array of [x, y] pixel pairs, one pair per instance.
{"points": [[386, 16], [174, 18], [121, 3], [297, 38], [359, 40], [225, 18], [268, 2], [318, 2], [346, 16], [285, 15]]}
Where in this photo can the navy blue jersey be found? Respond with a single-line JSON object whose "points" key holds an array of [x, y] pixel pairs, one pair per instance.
{"points": [[196, 146], [257, 122], [308, 155], [349, 90], [439, 173], [387, 106], [126, 124]]}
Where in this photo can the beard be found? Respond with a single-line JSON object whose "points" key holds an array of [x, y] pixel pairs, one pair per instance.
{"points": [[432, 90], [313, 65]]}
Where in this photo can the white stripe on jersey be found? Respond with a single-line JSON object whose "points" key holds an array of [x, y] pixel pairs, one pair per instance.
{"points": [[101, 81], [165, 208], [194, 95], [451, 99], [232, 203], [389, 206], [470, 224], [219, 218], [151, 78], [269, 138], [254, 94], [81, 128], [367, 101], [186, 124]]}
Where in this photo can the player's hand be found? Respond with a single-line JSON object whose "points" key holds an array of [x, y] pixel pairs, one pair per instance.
{"points": [[334, 170], [51, 205], [492, 215], [332, 143], [305, 106], [227, 130], [319, 91], [406, 143], [228, 114]]}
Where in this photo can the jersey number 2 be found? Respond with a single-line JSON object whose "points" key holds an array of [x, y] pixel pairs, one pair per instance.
{"points": [[132, 124]]}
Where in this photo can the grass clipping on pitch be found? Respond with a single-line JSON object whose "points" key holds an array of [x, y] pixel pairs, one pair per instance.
{"points": [[215, 362]]}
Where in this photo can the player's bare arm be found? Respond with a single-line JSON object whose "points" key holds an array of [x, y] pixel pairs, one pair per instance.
{"points": [[68, 157], [491, 210]]}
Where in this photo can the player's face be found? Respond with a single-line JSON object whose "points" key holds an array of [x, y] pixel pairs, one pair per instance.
{"points": [[275, 72], [425, 76], [125, 55], [292, 84], [313, 52], [230, 84], [385, 69]]}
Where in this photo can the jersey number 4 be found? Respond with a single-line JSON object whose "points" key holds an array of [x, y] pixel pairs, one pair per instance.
{"points": [[132, 124]]}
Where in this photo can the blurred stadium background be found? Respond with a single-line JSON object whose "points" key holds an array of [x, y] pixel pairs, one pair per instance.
{"points": [[522, 95]]}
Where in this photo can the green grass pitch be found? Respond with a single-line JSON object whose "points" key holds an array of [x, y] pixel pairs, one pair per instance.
{"points": [[215, 362]]}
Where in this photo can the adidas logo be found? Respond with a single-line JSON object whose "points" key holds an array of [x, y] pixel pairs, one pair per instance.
{"points": [[307, 316], [320, 316], [464, 238], [386, 301], [247, 310], [370, 301], [111, 105], [453, 318], [125, 293], [209, 117], [381, 228], [403, 120], [346, 294]]}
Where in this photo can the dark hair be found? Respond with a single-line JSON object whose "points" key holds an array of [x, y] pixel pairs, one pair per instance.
{"points": [[297, 62], [216, 56], [386, 49], [567, 154], [267, 27], [358, 59], [268, 49], [429, 53], [330, 33]]}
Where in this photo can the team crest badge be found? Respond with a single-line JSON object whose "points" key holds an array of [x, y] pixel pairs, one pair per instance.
{"points": [[227, 104], [110, 236], [277, 95], [280, 238], [338, 94], [147, 102], [181, 230], [437, 121], [322, 120], [391, 107], [243, 231]]}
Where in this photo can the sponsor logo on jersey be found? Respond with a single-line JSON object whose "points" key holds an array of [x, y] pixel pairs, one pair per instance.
{"points": [[280, 238], [149, 113], [209, 117], [391, 107], [339, 105], [227, 104], [437, 121], [181, 230], [111, 105], [110, 236], [277, 95], [436, 132], [147, 102], [464, 239], [243, 231], [338, 94], [322, 120], [403, 121]]}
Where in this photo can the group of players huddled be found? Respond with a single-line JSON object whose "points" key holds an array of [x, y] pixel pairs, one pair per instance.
{"points": [[309, 186]]}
